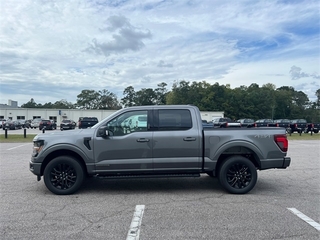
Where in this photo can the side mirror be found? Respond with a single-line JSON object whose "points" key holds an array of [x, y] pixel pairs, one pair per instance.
{"points": [[103, 132]]}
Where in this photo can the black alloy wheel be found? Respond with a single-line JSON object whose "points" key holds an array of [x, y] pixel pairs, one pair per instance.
{"points": [[238, 175], [63, 175]]}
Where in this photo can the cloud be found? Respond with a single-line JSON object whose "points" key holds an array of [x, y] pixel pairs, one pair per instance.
{"points": [[55, 49], [162, 64], [126, 37], [297, 74]]}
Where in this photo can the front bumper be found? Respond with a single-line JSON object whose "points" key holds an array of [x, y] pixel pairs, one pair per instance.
{"points": [[35, 168]]}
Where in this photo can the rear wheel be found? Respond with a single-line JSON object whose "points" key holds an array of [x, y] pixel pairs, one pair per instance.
{"points": [[238, 175], [63, 175]]}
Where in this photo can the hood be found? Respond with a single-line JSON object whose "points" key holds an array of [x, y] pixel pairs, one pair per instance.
{"points": [[65, 136]]}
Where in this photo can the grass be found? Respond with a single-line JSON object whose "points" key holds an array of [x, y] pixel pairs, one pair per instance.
{"points": [[304, 136], [17, 138]]}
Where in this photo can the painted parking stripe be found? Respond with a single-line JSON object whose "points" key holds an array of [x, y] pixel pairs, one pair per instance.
{"points": [[17, 146], [305, 218], [134, 231]]}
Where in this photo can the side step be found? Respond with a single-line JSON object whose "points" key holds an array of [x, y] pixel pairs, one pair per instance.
{"points": [[126, 176]]}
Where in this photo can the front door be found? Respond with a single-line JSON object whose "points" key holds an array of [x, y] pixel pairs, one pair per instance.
{"points": [[129, 146]]}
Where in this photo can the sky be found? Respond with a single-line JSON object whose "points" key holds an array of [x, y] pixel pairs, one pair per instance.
{"points": [[52, 50]]}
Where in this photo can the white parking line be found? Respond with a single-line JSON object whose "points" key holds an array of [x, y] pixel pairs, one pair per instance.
{"points": [[134, 230], [17, 146], [305, 218]]}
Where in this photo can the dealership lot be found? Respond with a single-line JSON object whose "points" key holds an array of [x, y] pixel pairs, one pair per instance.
{"points": [[175, 208]]}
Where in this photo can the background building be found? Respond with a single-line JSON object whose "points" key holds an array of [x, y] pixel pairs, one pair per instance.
{"points": [[74, 114]]}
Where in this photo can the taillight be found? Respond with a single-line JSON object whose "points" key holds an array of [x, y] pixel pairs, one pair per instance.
{"points": [[254, 125], [282, 142], [226, 124], [277, 124]]}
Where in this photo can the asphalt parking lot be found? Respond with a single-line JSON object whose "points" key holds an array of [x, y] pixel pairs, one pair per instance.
{"points": [[176, 208]]}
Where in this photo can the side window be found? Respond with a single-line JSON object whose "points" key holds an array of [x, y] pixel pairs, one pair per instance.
{"points": [[128, 122], [171, 119]]}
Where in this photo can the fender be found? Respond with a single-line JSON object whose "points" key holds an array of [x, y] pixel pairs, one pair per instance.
{"points": [[69, 147], [235, 143]]}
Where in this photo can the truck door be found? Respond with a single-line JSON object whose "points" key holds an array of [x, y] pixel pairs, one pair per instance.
{"points": [[129, 146], [176, 141]]}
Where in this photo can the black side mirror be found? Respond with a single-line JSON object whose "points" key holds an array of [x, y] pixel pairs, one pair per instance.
{"points": [[104, 132]]}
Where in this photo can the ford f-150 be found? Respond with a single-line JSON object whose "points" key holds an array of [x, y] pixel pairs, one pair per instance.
{"points": [[170, 141]]}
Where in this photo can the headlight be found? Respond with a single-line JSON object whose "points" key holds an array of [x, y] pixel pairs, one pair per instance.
{"points": [[37, 147]]}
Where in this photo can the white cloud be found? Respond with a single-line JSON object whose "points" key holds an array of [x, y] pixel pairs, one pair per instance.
{"points": [[51, 50]]}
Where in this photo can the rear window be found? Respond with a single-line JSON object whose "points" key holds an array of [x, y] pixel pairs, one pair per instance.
{"points": [[248, 121], [171, 119], [89, 119]]}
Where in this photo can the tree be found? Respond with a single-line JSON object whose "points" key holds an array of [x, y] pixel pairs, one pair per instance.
{"points": [[146, 96], [63, 104], [30, 104], [129, 97], [88, 99], [108, 100], [161, 93]]}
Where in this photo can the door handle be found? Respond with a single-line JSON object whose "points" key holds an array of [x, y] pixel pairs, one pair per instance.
{"points": [[143, 140], [189, 139]]}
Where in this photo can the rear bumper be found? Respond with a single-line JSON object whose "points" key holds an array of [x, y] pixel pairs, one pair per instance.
{"points": [[275, 163]]}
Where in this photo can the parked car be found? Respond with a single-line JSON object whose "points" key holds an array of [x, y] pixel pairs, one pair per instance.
{"points": [[312, 127], [36, 122], [298, 125], [85, 122], [12, 125], [265, 123], [48, 125], [2, 122], [67, 124], [225, 123], [206, 124], [284, 123], [246, 122], [25, 123], [28, 123]]}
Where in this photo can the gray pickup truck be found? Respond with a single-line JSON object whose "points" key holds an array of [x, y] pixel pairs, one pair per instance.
{"points": [[157, 141]]}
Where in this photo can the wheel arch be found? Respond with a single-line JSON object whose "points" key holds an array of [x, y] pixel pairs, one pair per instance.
{"points": [[243, 149], [63, 152]]}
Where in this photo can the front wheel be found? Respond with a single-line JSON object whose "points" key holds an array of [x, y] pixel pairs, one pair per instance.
{"points": [[63, 175], [238, 175]]}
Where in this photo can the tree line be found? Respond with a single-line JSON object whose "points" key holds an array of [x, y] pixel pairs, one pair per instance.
{"points": [[251, 101]]}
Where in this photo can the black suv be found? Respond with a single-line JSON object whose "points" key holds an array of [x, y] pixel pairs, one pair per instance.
{"points": [[48, 125], [85, 122]]}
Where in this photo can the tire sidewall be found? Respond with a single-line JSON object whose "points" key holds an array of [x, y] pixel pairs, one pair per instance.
{"points": [[64, 160], [224, 169]]}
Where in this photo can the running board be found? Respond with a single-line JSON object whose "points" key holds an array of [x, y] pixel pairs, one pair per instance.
{"points": [[123, 176]]}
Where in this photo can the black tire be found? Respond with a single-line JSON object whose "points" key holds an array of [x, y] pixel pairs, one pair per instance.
{"points": [[238, 175], [63, 175], [316, 131]]}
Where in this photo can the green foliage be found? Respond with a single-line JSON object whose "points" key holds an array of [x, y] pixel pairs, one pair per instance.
{"points": [[253, 101]]}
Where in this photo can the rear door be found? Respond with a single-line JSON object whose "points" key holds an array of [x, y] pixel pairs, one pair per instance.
{"points": [[176, 141]]}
